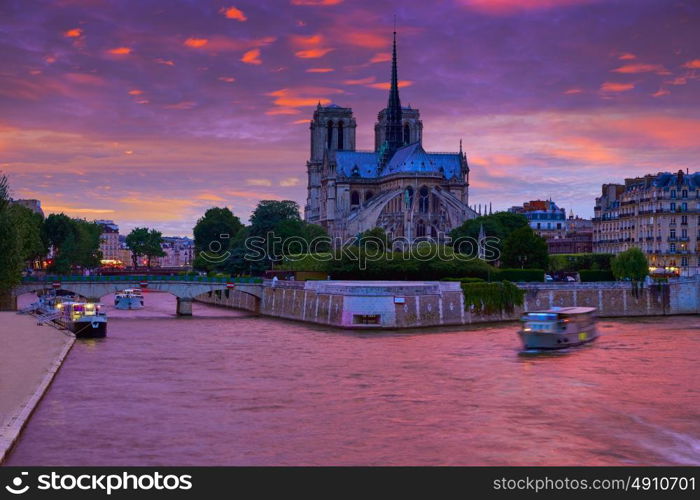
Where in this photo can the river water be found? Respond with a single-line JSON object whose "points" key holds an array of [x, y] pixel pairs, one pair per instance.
{"points": [[228, 388]]}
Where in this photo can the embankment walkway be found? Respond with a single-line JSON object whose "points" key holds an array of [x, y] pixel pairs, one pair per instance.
{"points": [[30, 356]]}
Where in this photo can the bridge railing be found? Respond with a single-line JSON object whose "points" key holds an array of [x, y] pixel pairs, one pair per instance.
{"points": [[136, 278]]}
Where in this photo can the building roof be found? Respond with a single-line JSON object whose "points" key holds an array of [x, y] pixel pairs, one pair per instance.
{"points": [[409, 159], [680, 179]]}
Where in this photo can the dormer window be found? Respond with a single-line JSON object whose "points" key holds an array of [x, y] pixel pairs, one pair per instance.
{"points": [[355, 171]]}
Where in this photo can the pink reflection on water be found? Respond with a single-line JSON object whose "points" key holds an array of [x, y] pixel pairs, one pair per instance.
{"points": [[224, 387]]}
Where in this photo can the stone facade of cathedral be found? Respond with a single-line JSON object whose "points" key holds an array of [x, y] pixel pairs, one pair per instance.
{"points": [[399, 187]]}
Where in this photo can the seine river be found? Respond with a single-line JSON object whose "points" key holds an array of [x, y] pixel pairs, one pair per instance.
{"points": [[227, 388]]}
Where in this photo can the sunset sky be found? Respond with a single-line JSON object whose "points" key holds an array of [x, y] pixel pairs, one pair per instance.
{"points": [[149, 112]]}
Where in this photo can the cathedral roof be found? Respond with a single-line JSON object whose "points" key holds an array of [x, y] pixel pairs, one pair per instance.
{"points": [[408, 159]]}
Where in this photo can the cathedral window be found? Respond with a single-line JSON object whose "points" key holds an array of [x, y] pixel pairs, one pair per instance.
{"points": [[424, 201], [354, 198], [406, 134], [341, 143], [368, 195], [420, 229], [329, 134]]}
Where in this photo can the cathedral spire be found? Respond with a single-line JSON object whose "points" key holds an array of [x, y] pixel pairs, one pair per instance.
{"points": [[394, 136]]}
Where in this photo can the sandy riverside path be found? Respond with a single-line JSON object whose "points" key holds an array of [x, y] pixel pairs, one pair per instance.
{"points": [[30, 356]]}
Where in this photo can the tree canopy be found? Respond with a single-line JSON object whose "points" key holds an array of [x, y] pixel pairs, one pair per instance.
{"points": [[217, 225], [144, 242], [20, 237], [631, 264], [524, 249], [499, 225]]}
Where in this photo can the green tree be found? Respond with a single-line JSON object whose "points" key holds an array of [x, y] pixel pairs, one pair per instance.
{"points": [[87, 253], [20, 237], [29, 225], [524, 249], [277, 229], [137, 241], [217, 225], [57, 229], [499, 225], [630, 265], [75, 242], [10, 242], [375, 236], [145, 242], [270, 213], [154, 246], [4, 191]]}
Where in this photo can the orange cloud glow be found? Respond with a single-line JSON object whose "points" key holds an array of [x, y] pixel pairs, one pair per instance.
{"points": [[505, 7], [319, 70], [642, 68], [316, 2], [573, 91], [74, 33], [660, 92], [165, 61], [227, 79], [360, 81], [282, 111], [366, 40], [288, 99], [196, 43], [234, 13], [626, 56], [381, 57], [694, 64], [387, 85], [312, 53], [252, 57], [84, 79], [135, 92], [306, 41], [120, 51], [585, 150], [616, 87]]}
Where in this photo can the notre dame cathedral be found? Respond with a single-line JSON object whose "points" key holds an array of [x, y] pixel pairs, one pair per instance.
{"points": [[399, 187]]}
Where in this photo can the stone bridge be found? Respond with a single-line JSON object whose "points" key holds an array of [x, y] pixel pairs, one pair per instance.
{"points": [[185, 288]]}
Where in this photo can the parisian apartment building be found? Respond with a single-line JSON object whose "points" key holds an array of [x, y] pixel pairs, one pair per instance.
{"points": [[658, 213]]}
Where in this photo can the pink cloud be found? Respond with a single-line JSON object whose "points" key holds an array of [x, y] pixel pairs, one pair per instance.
{"points": [[120, 51], [616, 87], [316, 2], [252, 57], [387, 85], [641, 68], [505, 7], [312, 53], [234, 13]]}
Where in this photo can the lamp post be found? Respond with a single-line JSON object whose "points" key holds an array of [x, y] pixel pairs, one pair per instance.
{"points": [[522, 259]]}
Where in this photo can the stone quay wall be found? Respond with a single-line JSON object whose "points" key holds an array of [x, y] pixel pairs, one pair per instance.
{"points": [[387, 304]]}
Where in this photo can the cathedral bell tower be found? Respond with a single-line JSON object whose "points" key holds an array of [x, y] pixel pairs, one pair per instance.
{"points": [[332, 129]]}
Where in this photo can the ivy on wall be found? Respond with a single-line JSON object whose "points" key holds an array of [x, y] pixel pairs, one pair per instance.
{"points": [[489, 298]]}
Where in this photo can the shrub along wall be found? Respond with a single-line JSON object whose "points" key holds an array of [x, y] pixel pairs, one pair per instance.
{"points": [[573, 262], [588, 275], [489, 298]]}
